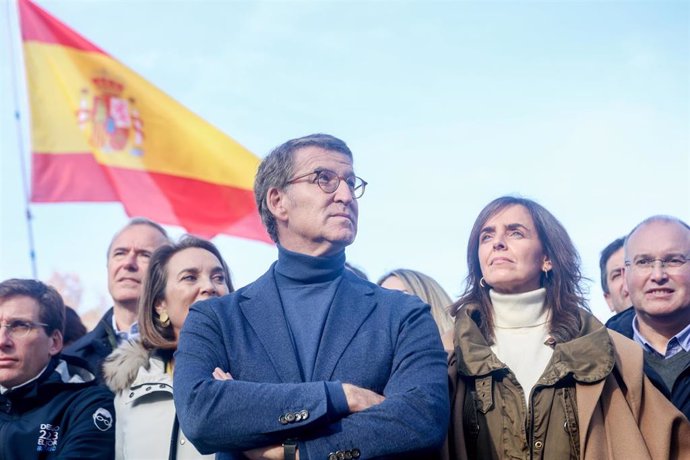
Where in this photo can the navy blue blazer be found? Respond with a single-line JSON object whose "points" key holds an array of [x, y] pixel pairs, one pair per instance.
{"points": [[374, 338]]}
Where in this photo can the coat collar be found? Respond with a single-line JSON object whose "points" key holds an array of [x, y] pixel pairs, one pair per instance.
{"points": [[261, 306], [588, 358], [131, 364]]}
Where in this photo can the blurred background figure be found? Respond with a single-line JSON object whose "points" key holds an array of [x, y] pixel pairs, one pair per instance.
{"points": [[427, 289], [74, 328], [139, 372], [534, 373], [612, 267]]}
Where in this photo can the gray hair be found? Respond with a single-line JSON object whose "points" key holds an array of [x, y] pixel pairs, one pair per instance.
{"points": [[277, 168], [137, 221]]}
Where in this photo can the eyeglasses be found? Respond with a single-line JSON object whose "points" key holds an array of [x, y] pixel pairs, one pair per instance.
{"points": [[329, 181], [646, 264], [19, 329]]}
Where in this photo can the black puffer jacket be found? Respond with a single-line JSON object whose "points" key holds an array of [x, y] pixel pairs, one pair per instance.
{"points": [[63, 414], [680, 394]]}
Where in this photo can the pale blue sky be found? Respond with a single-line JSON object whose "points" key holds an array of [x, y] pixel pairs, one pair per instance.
{"points": [[583, 106]]}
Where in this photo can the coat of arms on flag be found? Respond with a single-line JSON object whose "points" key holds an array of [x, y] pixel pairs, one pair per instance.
{"points": [[112, 121]]}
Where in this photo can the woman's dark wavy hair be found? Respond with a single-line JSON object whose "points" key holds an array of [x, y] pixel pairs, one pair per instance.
{"points": [[564, 292], [154, 335]]}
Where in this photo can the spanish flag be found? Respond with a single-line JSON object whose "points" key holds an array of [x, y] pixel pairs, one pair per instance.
{"points": [[100, 132]]}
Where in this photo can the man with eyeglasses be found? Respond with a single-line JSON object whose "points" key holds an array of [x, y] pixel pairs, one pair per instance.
{"points": [[657, 275], [310, 361], [50, 405]]}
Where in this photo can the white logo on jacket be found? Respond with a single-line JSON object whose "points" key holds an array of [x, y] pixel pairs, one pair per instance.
{"points": [[102, 419], [47, 438]]}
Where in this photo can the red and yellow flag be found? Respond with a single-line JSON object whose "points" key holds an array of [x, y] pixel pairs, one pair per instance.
{"points": [[100, 132]]}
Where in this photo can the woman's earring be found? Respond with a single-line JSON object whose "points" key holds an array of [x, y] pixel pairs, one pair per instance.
{"points": [[164, 319], [546, 273], [482, 283]]}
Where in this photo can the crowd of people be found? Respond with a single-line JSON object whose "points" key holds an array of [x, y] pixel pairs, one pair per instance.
{"points": [[313, 361]]}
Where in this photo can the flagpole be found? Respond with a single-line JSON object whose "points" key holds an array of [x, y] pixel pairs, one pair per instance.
{"points": [[20, 142]]}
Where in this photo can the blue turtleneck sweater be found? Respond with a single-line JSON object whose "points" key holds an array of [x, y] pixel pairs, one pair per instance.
{"points": [[307, 286]]}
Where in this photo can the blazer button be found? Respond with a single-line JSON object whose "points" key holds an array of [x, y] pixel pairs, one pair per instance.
{"points": [[298, 416], [290, 417], [304, 413], [356, 453], [283, 420], [348, 455], [538, 445], [332, 456], [341, 455]]}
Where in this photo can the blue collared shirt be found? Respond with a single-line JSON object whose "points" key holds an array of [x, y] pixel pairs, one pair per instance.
{"points": [[679, 342], [123, 336]]}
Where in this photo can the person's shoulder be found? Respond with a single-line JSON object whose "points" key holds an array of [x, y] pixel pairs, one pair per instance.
{"points": [[397, 300], [622, 322], [92, 393], [121, 367], [229, 301], [94, 403], [71, 376], [99, 332]]}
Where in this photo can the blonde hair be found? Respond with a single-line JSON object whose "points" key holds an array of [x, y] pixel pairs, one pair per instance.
{"points": [[431, 293]]}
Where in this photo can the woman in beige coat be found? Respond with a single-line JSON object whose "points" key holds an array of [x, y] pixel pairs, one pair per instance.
{"points": [[534, 374], [140, 372]]}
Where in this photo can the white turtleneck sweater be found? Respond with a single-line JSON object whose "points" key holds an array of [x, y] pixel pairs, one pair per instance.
{"points": [[521, 330]]}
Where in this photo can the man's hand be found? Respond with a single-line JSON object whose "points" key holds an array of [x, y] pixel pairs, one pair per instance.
{"points": [[359, 399], [219, 374]]}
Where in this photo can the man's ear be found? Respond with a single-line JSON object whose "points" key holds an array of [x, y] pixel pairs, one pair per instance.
{"points": [[275, 202], [56, 341]]}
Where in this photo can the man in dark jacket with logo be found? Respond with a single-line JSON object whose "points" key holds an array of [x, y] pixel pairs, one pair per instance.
{"points": [[50, 406], [128, 258], [657, 274]]}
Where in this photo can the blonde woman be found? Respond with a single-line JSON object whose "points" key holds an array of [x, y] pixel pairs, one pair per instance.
{"points": [[431, 293]]}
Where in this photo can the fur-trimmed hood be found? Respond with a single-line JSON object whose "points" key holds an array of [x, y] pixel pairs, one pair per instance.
{"points": [[124, 365]]}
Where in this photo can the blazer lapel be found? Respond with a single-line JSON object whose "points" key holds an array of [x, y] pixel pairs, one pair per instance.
{"points": [[263, 310], [352, 305]]}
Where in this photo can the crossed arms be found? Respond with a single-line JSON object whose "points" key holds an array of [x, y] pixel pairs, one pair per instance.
{"points": [[396, 402]]}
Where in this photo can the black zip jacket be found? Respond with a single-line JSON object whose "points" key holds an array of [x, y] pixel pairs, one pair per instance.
{"points": [[63, 414], [680, 393], [95, 346]]}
